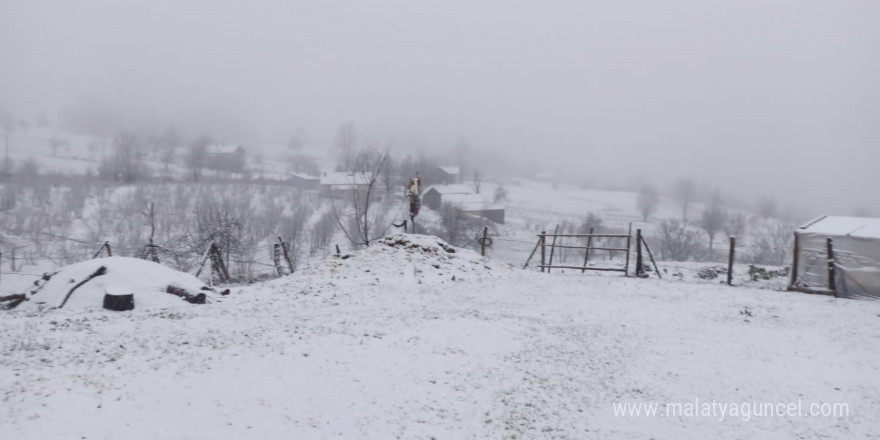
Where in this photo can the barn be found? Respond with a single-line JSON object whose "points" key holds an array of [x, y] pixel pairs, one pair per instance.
{"points": [[230, 158], [341, 184], [463, 197], [839, 256], [304, 181], [449, 174]]}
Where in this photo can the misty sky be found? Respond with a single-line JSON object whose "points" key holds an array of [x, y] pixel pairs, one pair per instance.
{"points": [[776, 97]]}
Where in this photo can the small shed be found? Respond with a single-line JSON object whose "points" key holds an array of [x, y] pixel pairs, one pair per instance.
{"points": [[230, 158], [434, 196], [340, 184], [839, 256], [304, 181], [450, 174], [463, 197]]}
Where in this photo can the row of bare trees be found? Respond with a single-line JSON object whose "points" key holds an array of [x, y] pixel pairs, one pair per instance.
{"points": [[63, 217]]}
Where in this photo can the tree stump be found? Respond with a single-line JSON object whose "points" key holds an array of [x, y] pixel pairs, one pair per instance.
{"points": [[119, 303]]}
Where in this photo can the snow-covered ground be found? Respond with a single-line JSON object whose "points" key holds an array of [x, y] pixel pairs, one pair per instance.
{"points": [[408, 340]]}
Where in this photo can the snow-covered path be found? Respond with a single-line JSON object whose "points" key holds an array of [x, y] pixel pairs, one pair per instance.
{"points": [[510, 354]]}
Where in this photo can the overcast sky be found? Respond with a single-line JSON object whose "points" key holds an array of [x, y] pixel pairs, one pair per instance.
{"points": [[776, 97]]}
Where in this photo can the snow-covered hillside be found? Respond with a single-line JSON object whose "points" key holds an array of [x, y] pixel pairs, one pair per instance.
{"points": [[409, 340]]}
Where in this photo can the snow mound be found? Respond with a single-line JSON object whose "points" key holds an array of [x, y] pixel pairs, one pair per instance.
{"points": [[408, 258], [149, 282]]}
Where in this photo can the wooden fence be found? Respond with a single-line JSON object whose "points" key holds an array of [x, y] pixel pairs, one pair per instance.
{"points": [[588, 246]]}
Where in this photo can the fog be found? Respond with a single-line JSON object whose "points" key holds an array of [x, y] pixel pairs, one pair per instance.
{"points": [[775, 98]]}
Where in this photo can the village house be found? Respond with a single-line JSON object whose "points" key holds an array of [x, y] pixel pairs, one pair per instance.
{"points": [[463, 197], [229, 158]]}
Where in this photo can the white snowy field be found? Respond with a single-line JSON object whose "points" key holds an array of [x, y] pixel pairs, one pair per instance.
{"points": [[386, 345]]}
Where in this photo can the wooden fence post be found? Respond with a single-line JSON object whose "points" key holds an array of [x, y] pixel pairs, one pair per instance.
{"points": [[730, 257], [628, 247], [794, 263], [543, 249], [639, 262], [286, 254], [217, 264], [587, 253], [538, 243], [106, 245], [651, 256], [552, 248], [276, 258], [483, 241], [832, 285]]}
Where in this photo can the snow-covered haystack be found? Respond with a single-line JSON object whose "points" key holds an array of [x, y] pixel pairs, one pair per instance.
{"points": [[85, 285], [408, 257]]}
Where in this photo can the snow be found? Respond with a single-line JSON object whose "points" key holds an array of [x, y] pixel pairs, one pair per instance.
{"points": [[451, 170], [455, 188], [380, 343], [467, 202], [839, 225], [338, 178], [145, 279]]}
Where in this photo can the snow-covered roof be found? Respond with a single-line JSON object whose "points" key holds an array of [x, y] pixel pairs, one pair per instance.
{"points": [[456, 188], [304, 176], [849, 226], [467, 202], [223, 149], [450, 170], [343, 178]]}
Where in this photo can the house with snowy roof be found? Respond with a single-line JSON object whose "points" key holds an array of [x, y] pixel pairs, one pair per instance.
{"points": [[463, 197], [304, 181], [341, 183], [231, 158], [449, 174]]}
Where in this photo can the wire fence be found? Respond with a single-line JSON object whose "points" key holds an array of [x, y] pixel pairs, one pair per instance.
{"points": [[26, 260]]}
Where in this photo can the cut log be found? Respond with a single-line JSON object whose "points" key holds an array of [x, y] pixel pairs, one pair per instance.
{"points": [[119, 303], [13, 297], [12, 301], [199, 298]]}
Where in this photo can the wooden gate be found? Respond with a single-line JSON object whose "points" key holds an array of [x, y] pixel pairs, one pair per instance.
{"points": [[610, 242]]}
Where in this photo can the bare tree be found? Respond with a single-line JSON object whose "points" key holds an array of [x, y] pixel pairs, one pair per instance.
{"points": [[648, 200], [477, 180], [677, 242], [322, 232], [293, 230], [124, 163], [362, 215], [457, 227], [197, 156], [593, 221], [345, 143], [767, 207], [501, 194], [713, 218], [168, 143], [7, 121], [685, 192], [773, 243], [388, 174], [734, 224]]}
